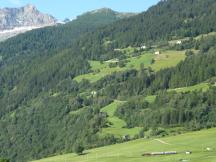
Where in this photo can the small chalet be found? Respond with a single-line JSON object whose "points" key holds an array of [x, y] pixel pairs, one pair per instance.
{"points": [[179, 42], [208, 149], [93, 93], [143, 47], [157, 53], [188, 152]]}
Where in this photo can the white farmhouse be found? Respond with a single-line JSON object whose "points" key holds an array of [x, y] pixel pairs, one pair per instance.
{"points": [[93, 93], [208, 149], [179, 42], [113, 61], [143, 47], [157, 53]]}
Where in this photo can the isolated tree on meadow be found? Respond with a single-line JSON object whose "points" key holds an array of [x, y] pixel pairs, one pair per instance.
{"points": [[78, 149]]}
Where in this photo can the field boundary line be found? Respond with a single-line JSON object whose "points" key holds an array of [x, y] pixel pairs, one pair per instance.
{"points": [[163, 142]]}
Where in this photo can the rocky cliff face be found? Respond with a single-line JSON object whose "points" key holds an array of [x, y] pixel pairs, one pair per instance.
{"points": [[27, 16]]}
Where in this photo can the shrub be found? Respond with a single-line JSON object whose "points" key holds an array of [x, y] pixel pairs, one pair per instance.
{"points": [[78, 149]]}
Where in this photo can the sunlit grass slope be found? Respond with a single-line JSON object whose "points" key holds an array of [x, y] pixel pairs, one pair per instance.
{"points": [[198, 87], [168, 59], [196, 142], [164, 60], [117, 126]]}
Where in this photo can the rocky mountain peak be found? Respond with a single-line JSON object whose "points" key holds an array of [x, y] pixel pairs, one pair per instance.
{"points": [[30, 8], [27, 16]]}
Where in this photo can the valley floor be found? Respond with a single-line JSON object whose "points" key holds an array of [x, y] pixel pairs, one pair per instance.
{"points": [[196, 142]]}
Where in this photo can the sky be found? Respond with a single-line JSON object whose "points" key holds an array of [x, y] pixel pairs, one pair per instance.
{"points": [[62, 9]]}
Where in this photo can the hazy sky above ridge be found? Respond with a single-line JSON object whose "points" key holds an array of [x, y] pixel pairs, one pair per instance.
{"points": [[62, 9]]}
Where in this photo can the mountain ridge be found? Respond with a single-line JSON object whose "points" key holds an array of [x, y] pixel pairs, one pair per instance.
{"points": [[109, 10], [7, 18], [28, 15], [14, 21]]}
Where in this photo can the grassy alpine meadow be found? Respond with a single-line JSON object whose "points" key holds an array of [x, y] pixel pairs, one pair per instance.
{"points": [[135, 62], [150, 99], [116, 125], [164, 60], [198, 87], [101, 70], [168, 59], [202, 144]]}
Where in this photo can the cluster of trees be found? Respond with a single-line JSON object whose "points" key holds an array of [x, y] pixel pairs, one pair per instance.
{"points": [[194, 110], [195, 68], [79, 149], [19, 87], [47, 125], [204, 43]]}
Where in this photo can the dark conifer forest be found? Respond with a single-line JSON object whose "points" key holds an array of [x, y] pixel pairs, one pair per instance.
{"points": [[45, 111]]}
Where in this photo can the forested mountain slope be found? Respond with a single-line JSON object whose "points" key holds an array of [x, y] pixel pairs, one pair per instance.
{"points": [[60, 36], [45, 50], [167, 20], [44, 111], [29, 63]]}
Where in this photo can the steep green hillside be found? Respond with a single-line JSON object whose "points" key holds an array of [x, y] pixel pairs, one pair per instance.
{"points": [[101, 69], [50, 39], [36, 70], [45, 111], [201, 86], [168, 20], [132, 151], [116, 126]]}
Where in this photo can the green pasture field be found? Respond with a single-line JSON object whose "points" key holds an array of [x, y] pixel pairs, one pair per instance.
{"points": [[196, 142]]}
